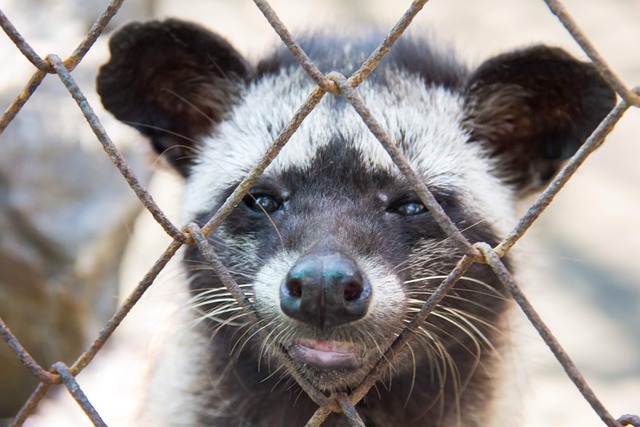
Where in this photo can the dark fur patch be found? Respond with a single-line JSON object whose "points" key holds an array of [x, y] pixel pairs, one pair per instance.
{"points": [[172, 81], [336, 202], [535, 107]]}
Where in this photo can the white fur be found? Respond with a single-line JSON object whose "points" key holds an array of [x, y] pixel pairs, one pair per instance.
{"points": [[437, 145], [267, 284]]}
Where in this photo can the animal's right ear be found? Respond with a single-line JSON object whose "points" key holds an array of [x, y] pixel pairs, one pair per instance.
{"points": [[173, 81]]}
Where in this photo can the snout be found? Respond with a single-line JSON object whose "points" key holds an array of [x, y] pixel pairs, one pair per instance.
{"points": [[325, 290]]}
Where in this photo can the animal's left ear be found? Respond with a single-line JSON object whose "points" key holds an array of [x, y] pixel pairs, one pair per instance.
{"points": [[534, 108]]}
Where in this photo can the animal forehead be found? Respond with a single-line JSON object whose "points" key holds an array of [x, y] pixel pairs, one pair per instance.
{"points": [[336, 168], [425, 121]]}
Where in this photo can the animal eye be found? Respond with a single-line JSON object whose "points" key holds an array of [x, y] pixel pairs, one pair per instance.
{"points": [[409, 208], [262, 203]]}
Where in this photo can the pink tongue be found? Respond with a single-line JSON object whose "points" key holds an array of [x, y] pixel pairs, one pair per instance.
{"points": [[324, 354]]}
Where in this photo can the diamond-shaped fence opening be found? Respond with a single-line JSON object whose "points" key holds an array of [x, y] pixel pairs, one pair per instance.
{"points": [[333, 84]]}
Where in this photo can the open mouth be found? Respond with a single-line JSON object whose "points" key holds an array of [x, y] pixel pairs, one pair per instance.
{"points": [[325, 354]]}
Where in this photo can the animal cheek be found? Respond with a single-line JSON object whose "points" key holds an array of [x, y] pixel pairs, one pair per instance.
{"points": [[267, 283], [388, 299]]}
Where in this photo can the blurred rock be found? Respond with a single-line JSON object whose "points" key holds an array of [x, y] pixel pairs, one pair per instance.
{"points": [[65, 211], [65, 217]]}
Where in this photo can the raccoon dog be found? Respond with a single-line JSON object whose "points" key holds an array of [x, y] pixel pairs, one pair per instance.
{"points": [[332, 245]]}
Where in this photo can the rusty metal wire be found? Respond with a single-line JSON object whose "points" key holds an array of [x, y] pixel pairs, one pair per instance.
{"points": [[603, 68], [221, 271], [376, 56], [349, 410], [43, 66], [629, 420], [401, 343], [570, 368], [114, 155], [24, 356], [125, 308], [74, 59], [414, 180], [21, 99], [282, 138], [72, 385], [547, 196], [21, 44], [335, 84], [293, 46], [30, 405]]}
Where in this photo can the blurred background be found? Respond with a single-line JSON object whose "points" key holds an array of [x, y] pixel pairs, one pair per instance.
{"points": [[67, 216]]}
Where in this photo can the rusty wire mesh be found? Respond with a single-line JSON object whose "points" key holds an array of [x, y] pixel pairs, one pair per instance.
{"points": [[333, 84]]}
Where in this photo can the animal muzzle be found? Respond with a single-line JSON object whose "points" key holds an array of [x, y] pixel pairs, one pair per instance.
{"points": [[325, 290]]}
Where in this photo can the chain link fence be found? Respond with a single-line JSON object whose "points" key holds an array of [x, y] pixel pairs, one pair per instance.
{"points": [[332, 84]]}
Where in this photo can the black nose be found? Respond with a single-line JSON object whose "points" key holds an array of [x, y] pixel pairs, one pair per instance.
{"points": [[325, 290]]}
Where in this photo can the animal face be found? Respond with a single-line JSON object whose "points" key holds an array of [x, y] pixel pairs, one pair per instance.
{"points": [[332, 245]]}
